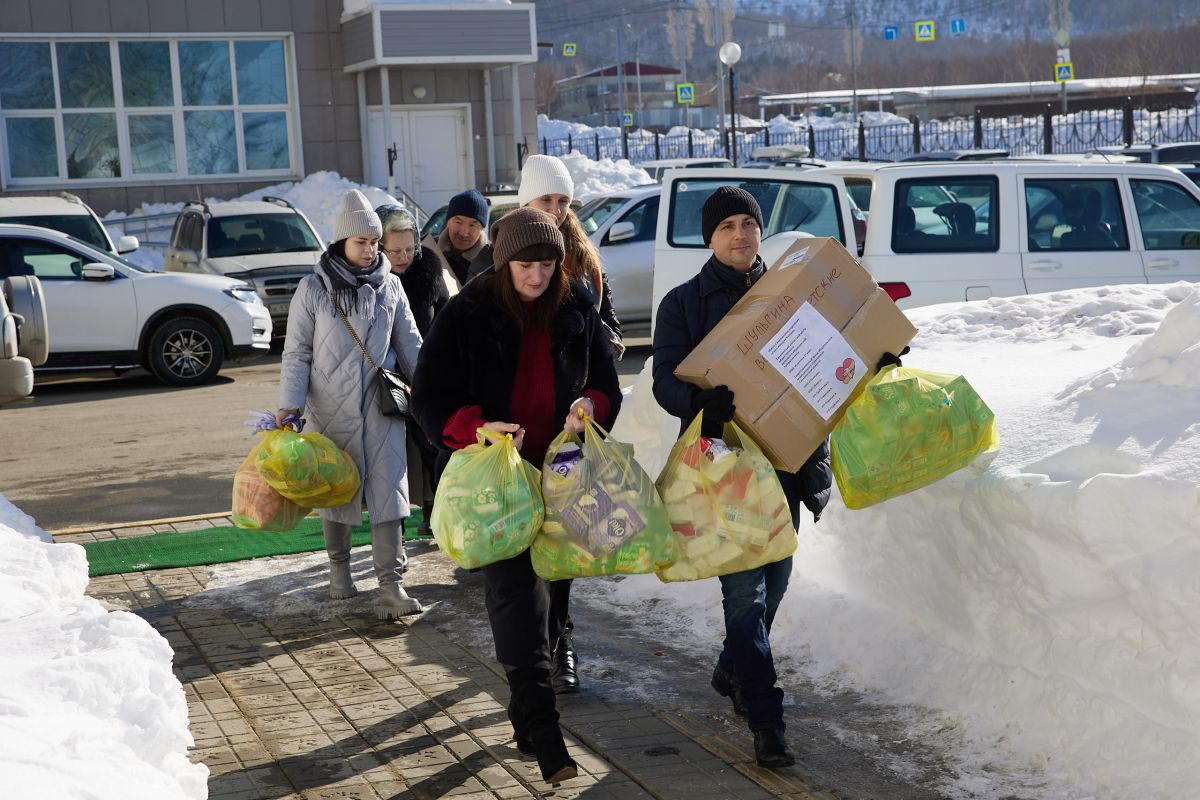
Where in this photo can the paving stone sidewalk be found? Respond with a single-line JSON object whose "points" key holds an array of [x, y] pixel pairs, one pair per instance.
{"points": [[293, 707]]}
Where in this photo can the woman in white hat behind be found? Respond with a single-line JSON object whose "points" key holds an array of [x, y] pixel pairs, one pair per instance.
{"points": [[326, 376]]}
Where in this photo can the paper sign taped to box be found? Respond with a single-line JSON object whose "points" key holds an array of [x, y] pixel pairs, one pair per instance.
{"points": [[816, 360]]}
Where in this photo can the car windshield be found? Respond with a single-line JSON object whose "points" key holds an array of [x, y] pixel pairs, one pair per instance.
{"points": [[80, 226], [254, 234], [786, 206], [595, 213]]}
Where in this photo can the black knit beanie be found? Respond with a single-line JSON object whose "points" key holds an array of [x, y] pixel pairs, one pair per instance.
{"points": [[521, 228], [725, 202], [470, 204]]}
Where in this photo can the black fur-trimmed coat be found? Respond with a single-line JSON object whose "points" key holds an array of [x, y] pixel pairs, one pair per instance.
{"points": [[425, 287], [470, 358]]}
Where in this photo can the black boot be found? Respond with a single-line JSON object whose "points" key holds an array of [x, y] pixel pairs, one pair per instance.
{"points": [[564, 676], [770, 749], [727, 686], [532, 706]]}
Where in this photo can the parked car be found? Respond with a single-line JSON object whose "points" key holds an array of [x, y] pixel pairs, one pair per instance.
{"points": [[106, 313], [1165, 153], [658, 167], [267, 243], [965, 231], [981, 154], [622, 225], [67, 213]]}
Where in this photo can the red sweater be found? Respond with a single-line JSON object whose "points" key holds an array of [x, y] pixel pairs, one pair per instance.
{"points": [[531, 404]]}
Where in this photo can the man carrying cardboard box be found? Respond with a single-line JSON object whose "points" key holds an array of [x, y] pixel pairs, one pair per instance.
{"points": [[731, 222]]}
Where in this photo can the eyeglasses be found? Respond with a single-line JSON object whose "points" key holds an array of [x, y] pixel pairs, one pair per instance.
{"points": [[405, 252]]}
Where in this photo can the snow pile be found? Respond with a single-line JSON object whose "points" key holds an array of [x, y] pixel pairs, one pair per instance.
{"points": [[596, 178], [1046, 602], [318, 196], [89, 707]]}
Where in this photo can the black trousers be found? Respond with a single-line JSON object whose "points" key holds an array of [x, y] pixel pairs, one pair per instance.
{"points": [[560, 611], [518, 607]]}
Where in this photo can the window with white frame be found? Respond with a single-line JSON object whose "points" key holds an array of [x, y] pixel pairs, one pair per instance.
{"points": [[96, 110]]}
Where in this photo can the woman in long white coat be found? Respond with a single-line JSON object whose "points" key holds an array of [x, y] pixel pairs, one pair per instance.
{"points": [[325, 374]]}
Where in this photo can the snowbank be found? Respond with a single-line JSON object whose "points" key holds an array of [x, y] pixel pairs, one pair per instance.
{"points": [[1046, 603], [595, 178], [89, 706]]}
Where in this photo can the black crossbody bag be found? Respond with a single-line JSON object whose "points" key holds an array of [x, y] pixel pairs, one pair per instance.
{"points": [[395, 394]]}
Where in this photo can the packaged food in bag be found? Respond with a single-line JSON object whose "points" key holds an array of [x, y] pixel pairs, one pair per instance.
{"points": [[603, 513], [306, 468], [257, 506], [726, 505], [909, 428], [488, 503]]}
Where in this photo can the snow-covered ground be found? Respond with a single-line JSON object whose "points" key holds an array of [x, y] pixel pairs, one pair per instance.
{"points": [[89, 706]]}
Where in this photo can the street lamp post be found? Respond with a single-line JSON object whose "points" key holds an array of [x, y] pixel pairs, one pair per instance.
{"points": [[730, 53]]}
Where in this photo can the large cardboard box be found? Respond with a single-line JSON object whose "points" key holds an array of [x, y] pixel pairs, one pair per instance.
{"points": [[798, 347]]}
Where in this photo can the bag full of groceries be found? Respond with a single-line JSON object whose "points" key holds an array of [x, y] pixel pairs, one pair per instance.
{"points": [[907, 429], [603, 514], [726, 505], [488, 503], [258, 507], [306, 468]]}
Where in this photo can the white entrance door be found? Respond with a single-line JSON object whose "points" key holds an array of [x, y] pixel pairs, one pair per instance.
{"points": [[432, 153]]}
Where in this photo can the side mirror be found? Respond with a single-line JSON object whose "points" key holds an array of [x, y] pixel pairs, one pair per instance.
{"points": [[127, 244], [98, 272], [620, 232]]}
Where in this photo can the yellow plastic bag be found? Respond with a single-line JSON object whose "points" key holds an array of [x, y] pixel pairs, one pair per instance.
{"points": [[909, 428], [603, 514], [258, 507], [488, 503], [307, 468], [726, 504]]}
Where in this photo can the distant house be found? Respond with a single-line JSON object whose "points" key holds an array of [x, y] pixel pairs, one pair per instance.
{"points": [[594, 97]]}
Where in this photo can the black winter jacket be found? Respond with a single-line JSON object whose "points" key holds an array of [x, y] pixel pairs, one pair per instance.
{"points": [[425, 288], [470, 358], [685, 316]]}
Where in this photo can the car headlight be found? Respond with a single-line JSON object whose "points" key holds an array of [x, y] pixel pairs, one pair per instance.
{"points": [[246, 294]]}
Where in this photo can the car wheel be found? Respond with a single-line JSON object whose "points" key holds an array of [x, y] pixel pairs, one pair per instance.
{"points": [[185, 352]]}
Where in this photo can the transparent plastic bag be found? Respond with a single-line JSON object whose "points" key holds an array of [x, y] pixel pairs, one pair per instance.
{"points": [[308, 468], [725, 503], [603, 513], [258, 507], [488, 504], [909, 428]]}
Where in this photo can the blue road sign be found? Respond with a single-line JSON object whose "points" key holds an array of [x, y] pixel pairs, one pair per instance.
{"points": [[1064, 72], [685, 93], [891, 33], [924, 30], [958, 26], [627, 119]]}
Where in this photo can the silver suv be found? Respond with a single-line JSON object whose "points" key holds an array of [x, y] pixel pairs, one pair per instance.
{"points": [[267, 243]]}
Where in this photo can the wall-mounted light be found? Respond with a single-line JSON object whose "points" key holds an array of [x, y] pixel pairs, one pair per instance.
{"points": [[419, 92]]}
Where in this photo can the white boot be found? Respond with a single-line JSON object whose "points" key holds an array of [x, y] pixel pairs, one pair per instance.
{"points": [[387, 551], [337, 545]]}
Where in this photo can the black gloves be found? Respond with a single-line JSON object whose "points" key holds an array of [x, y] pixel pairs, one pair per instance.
{"points": [[716, 403], [889, 359]]}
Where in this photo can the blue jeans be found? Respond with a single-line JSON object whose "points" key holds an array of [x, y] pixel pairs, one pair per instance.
{"points": [[750, 599]]}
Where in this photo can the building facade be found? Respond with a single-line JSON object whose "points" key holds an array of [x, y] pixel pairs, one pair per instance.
{"points": [[125, 102]]}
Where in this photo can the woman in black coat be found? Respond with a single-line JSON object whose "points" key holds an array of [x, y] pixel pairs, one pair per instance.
{"points": [[519, 350]]}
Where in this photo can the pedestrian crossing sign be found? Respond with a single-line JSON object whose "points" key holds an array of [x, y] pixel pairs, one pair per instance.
{"points": [[891, 33], [569, 49], [685, 93], [923, 30], [1064, 72], [627, 119]]}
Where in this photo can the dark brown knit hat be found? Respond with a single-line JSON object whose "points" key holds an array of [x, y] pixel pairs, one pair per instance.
{"points": [[521, 228]]}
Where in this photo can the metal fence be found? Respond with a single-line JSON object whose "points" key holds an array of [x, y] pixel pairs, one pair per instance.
{"points": [[1077, 132]]}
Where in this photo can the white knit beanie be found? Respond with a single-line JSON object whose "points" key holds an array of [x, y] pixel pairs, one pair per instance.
{"points": [[356, 218], [544, 175]]}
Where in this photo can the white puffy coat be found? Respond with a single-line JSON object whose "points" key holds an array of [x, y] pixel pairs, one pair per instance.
{"points": [[325, 374]]}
